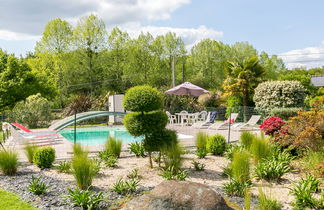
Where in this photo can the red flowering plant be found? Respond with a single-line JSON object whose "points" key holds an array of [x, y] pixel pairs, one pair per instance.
{"points": [[272, 125]]}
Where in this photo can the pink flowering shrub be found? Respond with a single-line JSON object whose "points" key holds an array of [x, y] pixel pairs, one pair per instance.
{"points": [[272, 125]]}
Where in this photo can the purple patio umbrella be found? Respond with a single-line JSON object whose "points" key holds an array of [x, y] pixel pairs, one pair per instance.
{"points": [[186, 88]]}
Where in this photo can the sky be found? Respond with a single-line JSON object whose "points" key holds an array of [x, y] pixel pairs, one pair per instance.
{"points": [[291, 29]]}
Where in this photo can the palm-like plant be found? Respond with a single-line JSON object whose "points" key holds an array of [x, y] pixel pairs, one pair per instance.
{"points": [[243, 77]]}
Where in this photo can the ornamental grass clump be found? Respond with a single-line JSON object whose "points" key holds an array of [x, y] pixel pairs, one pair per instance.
{"points": [[260, 148], [266, 203], [240, 166], [30, 151], [172, 156], [84, 170], [246, 139], [113, 147], [8, 162], [201, 143]]}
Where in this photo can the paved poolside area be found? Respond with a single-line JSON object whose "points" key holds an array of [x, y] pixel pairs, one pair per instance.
{"points": [[186, 135]]}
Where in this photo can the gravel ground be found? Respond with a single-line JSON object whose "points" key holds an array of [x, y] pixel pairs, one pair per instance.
{"points": [[59, 182]]}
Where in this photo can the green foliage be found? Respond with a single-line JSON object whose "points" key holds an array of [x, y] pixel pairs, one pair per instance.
{"points": [[231, 149], [278, 94], [125, 187], [37, 187], [235, 188], [247, 200], [78, 150], [312, 160], [171, 173], [266, 203], [240, 167], [35, 112], [8, 162], [285, 113], [198, 166], [138, 149], [134, 174], [159, 140], [44, 157], [305, 131], [18, 81], [138, 124], [86, 199], [111, 161], [83, 170], [271, 169], [317, 101], [12, 201], [113, 146], [64, 167], [201, 140], [29, 151], [246, 139], [303, 194], [201, 153], [172, 156], [260, 148], [216, 144], [142, 99]]}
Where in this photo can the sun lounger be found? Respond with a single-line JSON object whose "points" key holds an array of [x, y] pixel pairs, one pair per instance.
{"points": [[225, 124], [23, 128], [249, 125], [210, 119]]}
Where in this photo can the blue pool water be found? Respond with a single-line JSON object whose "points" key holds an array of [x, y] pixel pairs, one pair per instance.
{"points": [[98, 136]]}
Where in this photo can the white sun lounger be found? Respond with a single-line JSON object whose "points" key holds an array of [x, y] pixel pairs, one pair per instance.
{"points": [[249, 125], [223, 125]]}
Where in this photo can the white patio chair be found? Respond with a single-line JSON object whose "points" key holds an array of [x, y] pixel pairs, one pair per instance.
{"points": [[202, 116], [172, 118], [184, 117]]}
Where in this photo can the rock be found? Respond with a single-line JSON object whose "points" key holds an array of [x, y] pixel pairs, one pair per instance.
{"points": [[179, 195]]}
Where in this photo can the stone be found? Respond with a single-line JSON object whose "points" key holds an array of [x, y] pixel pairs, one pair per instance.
{"points": [[182, 195]]}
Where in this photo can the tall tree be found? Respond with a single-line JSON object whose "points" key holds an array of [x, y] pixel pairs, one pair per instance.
{"points": [[243, 77], [273, 65], [89, 39]]}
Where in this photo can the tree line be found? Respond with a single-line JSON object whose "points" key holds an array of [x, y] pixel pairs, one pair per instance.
{"points": [[87, 60]]}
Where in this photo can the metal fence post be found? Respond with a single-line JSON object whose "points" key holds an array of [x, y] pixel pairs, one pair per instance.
{"points": [[74, 127], [229, 127]]}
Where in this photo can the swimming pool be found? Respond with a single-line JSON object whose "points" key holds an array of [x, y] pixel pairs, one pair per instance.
{"points": [[99, 135]]}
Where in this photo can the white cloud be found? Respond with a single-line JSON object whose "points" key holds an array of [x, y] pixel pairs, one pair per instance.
{"points": [[9, 36], [309, 57], [30, 17], [190, 36]]}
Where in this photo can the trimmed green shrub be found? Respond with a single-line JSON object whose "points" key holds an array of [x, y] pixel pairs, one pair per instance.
{"points": [[83, 170], [285, 113], [240, 167], [266, 203], [29, 151], [8, 162], [138, 124], [278, 94], [246, 139], [44, 157], [113, 146], [159, 140], [216, 144], [143, 99]]}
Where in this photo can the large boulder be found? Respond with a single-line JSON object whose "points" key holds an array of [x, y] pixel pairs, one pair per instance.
{"points": [[179, 195]]}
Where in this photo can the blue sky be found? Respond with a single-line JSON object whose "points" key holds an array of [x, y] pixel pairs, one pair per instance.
{"points": [[293, 29]]}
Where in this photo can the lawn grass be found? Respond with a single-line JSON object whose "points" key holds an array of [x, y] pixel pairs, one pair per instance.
{"points": [[10, 201]]}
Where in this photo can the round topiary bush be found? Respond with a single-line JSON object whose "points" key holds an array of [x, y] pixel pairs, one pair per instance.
{"points": [[143, 99], [279, 94], [44, 157], [138, 124], [216, 144]]}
